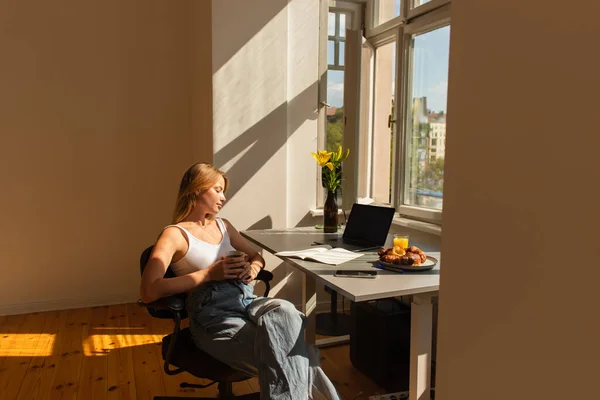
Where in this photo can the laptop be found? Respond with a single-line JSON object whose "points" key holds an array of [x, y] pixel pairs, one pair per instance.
{"points": [[366, 229]]}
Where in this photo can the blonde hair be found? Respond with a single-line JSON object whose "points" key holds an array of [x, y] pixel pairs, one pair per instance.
{"points": [[198, 178]]}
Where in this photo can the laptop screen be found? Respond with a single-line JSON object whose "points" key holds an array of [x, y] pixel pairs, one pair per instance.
{"points": [[369, 224]]}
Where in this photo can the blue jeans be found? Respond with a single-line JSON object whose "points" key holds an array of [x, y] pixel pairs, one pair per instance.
{"points": [[259, 336]]}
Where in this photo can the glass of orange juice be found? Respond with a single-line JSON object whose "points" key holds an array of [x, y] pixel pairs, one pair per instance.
{"points": [[401, 240]]}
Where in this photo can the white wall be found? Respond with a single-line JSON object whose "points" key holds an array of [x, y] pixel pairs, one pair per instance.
{"points": [[265, 58], [104, 104], [96, 128], [519, 294]]}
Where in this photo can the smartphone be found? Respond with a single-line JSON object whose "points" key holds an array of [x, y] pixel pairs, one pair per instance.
{"points": [[348, 273]]}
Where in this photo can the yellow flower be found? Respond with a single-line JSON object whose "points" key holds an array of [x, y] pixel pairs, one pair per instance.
{"points": [[336, 156], [331, 166], [323, 157], [340, 155], [346, 154]]}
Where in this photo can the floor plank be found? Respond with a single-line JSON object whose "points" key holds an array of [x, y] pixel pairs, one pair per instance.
{"points": [[92, 381], [65, 383], [25, 342], [114, 353], [13, 327], [351, 384], [120, 375], [37, 382], [149, 377]]}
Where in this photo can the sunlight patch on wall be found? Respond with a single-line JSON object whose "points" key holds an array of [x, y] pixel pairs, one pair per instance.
{"points": [[252, 83]]}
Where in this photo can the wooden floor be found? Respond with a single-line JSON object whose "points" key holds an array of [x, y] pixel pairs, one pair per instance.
{"points": [[113, 352]]}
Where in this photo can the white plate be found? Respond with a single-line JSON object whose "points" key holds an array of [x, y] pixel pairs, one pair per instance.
{"points": [[426, 266]]}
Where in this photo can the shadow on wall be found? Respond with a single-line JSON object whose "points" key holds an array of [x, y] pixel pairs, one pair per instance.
{"points": [[265, 143], [256, 15], [309, 220], [264, 223]]}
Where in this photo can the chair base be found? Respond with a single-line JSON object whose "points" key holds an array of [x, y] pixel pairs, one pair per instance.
{"points": [[225, 393], [250, 396]]}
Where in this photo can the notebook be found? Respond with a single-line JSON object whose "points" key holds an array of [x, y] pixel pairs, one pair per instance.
{"points": [[322, 255], [366, 229]]}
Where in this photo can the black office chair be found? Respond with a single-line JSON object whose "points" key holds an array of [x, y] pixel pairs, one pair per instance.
{"points": [[179, 350]]}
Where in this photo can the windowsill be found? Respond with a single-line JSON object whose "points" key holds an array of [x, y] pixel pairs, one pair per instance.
{"points": [[399, 221], [318, 212], [418, 225]]}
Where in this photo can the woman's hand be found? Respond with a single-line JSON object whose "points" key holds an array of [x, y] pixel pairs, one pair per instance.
{"points": [[227, 268], [250, 272]]}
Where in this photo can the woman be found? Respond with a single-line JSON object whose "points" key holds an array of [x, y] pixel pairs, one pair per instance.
{"points": [[257, 335]]}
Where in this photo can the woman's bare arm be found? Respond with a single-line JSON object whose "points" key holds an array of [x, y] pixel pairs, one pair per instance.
{"points": [[255, 261], [154, 285], [240, 243]]}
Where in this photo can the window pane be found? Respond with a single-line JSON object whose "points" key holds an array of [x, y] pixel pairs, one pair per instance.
{"points": [[385, 10], [383, 103], [424, 169], [331, 24], [417, 3], [341, 55], [335, 113], [342, 32], [330, 52]]}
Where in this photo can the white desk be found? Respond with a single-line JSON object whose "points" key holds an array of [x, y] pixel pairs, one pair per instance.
{"points": [[422, 286]]}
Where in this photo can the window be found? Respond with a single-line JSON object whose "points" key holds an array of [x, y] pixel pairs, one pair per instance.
{"points": [[428, 84], [336, 37], [336, 18], [417, 3], [409, 82], [383, 122], [385, 10]]}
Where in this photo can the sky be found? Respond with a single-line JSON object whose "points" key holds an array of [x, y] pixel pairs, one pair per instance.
{"points": [[430, 75]]}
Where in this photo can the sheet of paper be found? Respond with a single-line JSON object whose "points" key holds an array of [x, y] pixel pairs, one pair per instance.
{"points": [[332, 256]]}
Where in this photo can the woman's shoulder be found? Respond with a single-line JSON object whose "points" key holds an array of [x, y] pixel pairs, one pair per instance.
{"points": [[225, 222], [169, 229], [173, 232], [231, 230]]}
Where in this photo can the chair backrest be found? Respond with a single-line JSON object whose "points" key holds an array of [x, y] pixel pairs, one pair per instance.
{"points": [[168, 274]]}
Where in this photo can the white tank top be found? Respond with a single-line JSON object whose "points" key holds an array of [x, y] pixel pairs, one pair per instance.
{"points": [[200, 254]]}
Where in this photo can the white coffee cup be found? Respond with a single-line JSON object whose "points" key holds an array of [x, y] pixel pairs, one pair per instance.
{"points": [[235, 254]]}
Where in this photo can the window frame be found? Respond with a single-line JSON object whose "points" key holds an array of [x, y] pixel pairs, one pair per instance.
{"points": [[371, 30], [354, 20], [337, 39], [418, 20]]}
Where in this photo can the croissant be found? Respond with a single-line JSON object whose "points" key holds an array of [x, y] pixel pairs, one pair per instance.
{"points": [[399, 251], [413, 256], [383, 252], [409, 258], [415, 249], [390, 258]]}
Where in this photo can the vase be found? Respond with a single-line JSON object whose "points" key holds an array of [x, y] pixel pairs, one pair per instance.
{"points": [[330, 213]]}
